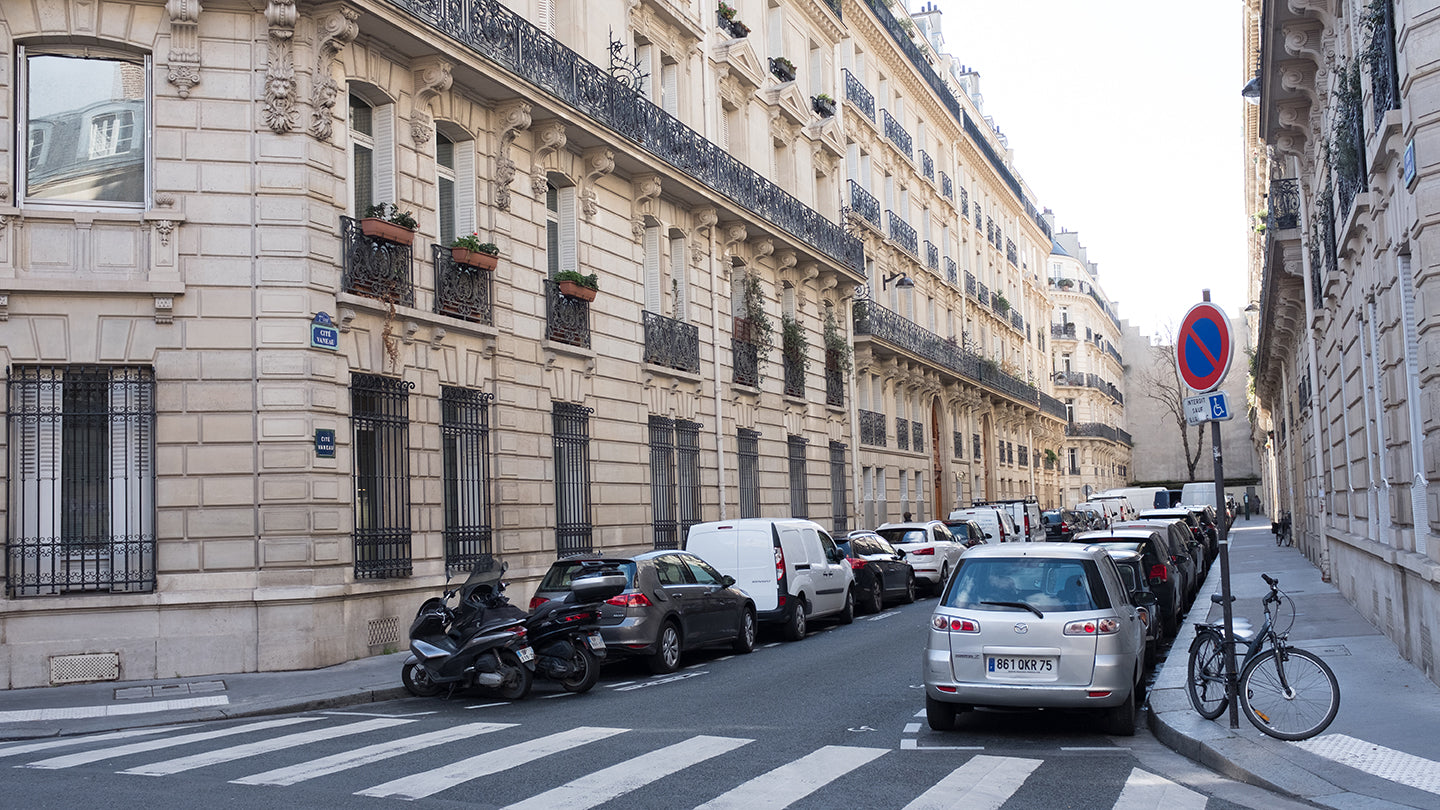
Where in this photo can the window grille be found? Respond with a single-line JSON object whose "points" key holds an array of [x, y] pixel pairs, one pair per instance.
{"points": [[380, 416], [81, 480], [573, 530], [748, 454], [465, 444], [687, 473], [839, 506], [662, 482], [799, 487], [975, 443]]}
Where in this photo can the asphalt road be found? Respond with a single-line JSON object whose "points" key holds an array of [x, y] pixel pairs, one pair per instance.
{"points": [[833, 721]]}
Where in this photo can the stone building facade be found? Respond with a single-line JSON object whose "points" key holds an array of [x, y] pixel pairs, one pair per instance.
{"points": [[1340, 163]]}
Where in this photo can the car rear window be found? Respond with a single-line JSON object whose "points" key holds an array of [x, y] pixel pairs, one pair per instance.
{"points": [[903, 536], [988, 583], [562, 573]]}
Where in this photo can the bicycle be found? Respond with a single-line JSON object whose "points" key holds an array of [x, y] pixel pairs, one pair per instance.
{"points": [[1286, 692], [1281, 529]]}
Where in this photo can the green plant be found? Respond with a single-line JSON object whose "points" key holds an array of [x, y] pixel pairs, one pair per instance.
{"points": [[781, 61], [1065, 283], [591, 281], [727, 12], [1050, 456], [824, 97], [837, 352], [472, 242], [793, 343], [1345, 151], [1001, 302], [761, 333], [390, 212]]}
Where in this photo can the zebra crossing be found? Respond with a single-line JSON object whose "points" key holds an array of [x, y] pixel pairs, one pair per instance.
{"points": [[275, 751]]}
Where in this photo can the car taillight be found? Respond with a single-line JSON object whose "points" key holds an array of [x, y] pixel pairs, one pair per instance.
{"points": [[627, 600], [1092, 627], [537, 601], [1064, 527], [1159, 572], [779, 563], [921, 552], [854, 563], [1144, 615], [955, 625]]}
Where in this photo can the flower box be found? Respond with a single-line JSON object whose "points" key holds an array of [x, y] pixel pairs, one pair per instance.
{"points": [[474, 258], [387, 230], [782, 69], [823, 106], [576, 290]]}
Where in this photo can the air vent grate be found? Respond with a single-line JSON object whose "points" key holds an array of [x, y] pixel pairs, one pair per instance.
{"points": [[384, 631], [82, 668]]}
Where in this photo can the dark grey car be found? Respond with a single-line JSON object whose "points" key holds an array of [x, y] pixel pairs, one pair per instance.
{"points": [[673, 601]]}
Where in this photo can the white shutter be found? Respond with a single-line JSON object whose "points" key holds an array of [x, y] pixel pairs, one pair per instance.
{"points": [[670, 89], [465, 187], [644, 55], [546, 16], [679, 276], [652, 269], [724, 129], [131, 486], [385, 154], [569, 258], [852, 161]]}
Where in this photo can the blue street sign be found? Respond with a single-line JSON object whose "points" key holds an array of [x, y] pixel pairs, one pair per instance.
{"points": [[324, 443], [1219, 406], [324, 337]]}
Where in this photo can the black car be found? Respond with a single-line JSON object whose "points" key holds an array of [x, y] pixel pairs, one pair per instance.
{"points": [[881, 572], [1131, 567], [1160, 571], [1062, 524]]}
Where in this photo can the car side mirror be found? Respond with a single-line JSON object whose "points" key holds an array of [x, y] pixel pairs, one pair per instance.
{"points": [[989, 536], [727, 581], [900, 552], [1144, 598], [836, 555]]}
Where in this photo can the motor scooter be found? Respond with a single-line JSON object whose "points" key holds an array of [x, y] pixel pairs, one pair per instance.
{"points": [[481, 641], [565, 633]]}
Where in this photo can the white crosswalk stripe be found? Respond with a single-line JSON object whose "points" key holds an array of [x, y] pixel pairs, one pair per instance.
{"points": [[364, 756], [983, 783], [790, 783], [235, 752], [1146, 791], [71, 760], [68, 742], [617, 780], [420, 785]]}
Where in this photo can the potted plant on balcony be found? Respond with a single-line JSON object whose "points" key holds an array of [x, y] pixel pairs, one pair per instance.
{"points": [[386, 221], [726, 15], [470, 253], [823, 104], [782, 68], [1001, 303], [577, 285], [837, 352]]}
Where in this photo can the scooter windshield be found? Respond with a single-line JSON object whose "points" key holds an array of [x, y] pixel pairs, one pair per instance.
{"points": [[484, 580]]}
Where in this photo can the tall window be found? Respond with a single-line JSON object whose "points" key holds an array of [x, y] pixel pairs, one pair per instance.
{"points": [[465, 445], [839, 502], [560, 229], [82, 480], [679, 275], [654, 294], [573, 529], [799, 481], [84, 119], [445, 186], [748, 458], [380, 417], [372, 153], [674, 479]]}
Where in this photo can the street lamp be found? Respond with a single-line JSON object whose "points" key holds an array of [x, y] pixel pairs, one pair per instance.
{"points": [[904, 282], [1251, 91]]}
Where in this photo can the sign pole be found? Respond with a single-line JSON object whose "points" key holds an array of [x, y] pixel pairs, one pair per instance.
{"points": [[1222, 519]]}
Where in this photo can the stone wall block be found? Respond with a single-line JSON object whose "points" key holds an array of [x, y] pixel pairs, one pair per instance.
{"points": [[219, 460]]}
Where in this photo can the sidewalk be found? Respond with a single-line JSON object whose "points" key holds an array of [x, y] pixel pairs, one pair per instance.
{"points": [[1382, 750]]}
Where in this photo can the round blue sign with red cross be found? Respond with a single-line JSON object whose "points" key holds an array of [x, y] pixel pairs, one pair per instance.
{"points": [[1203, 348]]}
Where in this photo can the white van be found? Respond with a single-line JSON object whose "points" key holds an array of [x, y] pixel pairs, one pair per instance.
{"points": [[1026, 514], [1121, 503], [1199, 493], [998, 525], [790, 567], [1142, 498]]}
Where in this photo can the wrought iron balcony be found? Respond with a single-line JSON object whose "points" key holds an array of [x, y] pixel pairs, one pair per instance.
{"points": [[932, 255], [864, 203], [782, 68], [903, 235], [983, 295], [873, 429], [947, 186], [1384, 73], [1097, 430], [1017, 320], [1010, 254], [1284, 202], [567, 320], [461, 291], [897, 134], [979, 219], [1052, 406], [499, 35], [794, 375], [959, 439], [856, 94], [375, 267], [927, 166], [1062, 330], [902, 433], [745, 355], [952, 271], [970, 287], [735, 28], [671, 343], [964, 203], [999, 303]]}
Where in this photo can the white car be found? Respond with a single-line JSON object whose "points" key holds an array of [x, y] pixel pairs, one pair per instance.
{"points": [[929, 547]]}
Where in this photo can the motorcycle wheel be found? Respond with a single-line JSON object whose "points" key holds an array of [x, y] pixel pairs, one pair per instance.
{"points": [[518, 677], [587, 671], [417, 680]]}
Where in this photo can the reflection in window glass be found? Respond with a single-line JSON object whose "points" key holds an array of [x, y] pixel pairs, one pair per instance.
{"points": [[85, 129]]}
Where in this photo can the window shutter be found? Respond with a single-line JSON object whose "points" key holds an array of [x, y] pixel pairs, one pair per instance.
{"points": [[465, 187], [652, 269], [679, 276], [569, 258], [385, 154], [644, 58], [546, 16], [724, 129], [670, 88]]}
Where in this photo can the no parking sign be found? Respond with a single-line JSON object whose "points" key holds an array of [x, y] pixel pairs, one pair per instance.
{"points": [[1203, 348]]}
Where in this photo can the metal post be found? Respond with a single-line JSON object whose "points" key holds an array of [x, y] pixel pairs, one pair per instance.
{"points": [[1222, 517]]}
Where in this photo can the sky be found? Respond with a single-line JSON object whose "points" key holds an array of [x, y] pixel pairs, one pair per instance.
{"points": [[1125, 119]]}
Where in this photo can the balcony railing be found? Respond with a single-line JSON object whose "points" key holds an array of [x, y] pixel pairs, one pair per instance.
{"points": [[959, 440], [834, 380], [897, 134], [462, 292], [970, 286], [864, 203], [1062, 330], [902, 433], [567, 320], [932, 255], [1017, 321], [856, 94], [1097, 430], [1384, 74], [917, 437], [503, 37], [947, 186], [671, 343], [1284, 202], [952, 271], [744, 355], [1010, 253], [984, 296], [375, 267], [999, 303], [872, 428], [964, 203], [794, 375], [904, 235], [927, 166], [1052, 406], [979, 218]]}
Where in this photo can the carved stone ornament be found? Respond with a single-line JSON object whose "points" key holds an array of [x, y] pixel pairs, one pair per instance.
{"points": [[513, 117], [335, 28], [762, 247], [647, 193], [164, 227], [432, 77], [278, 112], [184, 44], [599, 161], [549, 139]]}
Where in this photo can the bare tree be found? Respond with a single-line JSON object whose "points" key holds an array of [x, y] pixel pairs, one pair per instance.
{"points": [[1163, 384]]}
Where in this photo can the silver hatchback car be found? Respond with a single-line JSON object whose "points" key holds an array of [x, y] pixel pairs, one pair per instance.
{"points": [[1035, 625]]}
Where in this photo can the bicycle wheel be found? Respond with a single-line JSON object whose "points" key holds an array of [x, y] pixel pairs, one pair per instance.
{"points": [[1299, 712], [1205, 681]]}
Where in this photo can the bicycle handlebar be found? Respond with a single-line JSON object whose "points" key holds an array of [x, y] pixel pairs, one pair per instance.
{"points": [[1273, 583]]}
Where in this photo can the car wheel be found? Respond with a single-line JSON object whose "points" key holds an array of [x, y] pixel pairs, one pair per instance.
{"points": [[795, 628], [1120, 720], [939, 714], [666, 658], [944, 578], [745, 641], [847, 613], [909, 595], [877, 596]]}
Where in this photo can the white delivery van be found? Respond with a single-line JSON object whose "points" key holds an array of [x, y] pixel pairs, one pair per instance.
{"points": [[1026, 514], [1121, 503], [998, 525], [791, 568], [1142, 498], [1199, 493]]}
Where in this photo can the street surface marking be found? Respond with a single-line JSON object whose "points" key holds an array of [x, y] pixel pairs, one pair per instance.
{"points": [[617, 780], [87, 757], [983, 783], [679, 676], [912, 745], [29, 748], [790, 783], [911, 728], [378, 714], [1144, 791], [1386, 763], [887, 614], [234, 752], [420, 785], [488, 705], [118, 710], [560, 695], [364, 756]]}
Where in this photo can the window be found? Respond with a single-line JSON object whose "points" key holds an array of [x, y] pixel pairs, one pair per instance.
{"points": [[799, 485], [380, 418], [654, 295], [82, 480], [445, 187], [85, 124], [839, 506], [748, 458], [572, 478], [674, 479], [560, 251], [465, 444], [372, 153], [679, 279]]}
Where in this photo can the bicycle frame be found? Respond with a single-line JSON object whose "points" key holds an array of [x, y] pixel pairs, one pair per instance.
{"points": [[1256, 645]]}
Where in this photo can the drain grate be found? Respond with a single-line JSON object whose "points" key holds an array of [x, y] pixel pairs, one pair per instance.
{"points": [[383, 631], [83, 668]]}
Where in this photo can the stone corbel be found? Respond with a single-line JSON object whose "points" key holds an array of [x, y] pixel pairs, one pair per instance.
{"points": [[598, 161], [513, 117], [733, 234], [335, 27], [164, 309], [278, 111], [549, 139], [647, 195], [432, 77], [184, 45], [703, 218], [762, 247]]}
